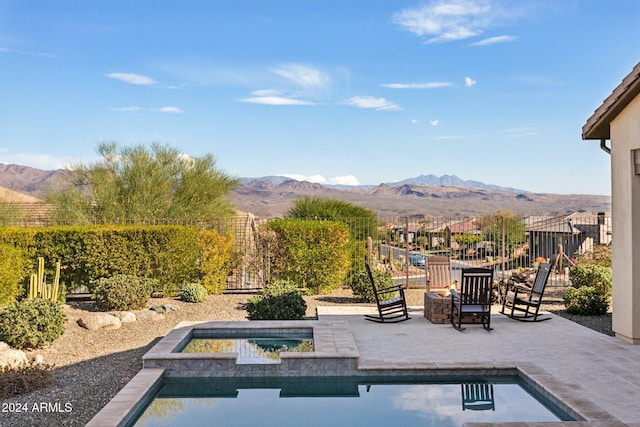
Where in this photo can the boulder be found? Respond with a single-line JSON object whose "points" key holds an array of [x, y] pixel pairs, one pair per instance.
{"points": [[10, 356], [125, 316], [147, 314], [164, 308], [95, 321]]}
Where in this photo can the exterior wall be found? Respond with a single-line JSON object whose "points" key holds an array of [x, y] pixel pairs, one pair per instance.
{"points": [[625, 136]]}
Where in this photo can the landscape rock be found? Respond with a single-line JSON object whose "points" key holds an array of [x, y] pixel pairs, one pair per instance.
{"points": [[10, 356], [95, 321], [164, 308], [147, 314], [125, 316]]}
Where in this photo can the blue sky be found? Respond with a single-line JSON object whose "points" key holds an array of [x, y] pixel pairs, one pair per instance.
{"points": [[339, 91]]}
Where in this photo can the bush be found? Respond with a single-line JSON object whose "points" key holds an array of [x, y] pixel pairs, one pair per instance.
{"points": [[122, 292], [361, 286], [314, 254], [194, 292], [25, 378], [280, 300], [32, 323], [588, 300], [594, 275], [12, 271]]}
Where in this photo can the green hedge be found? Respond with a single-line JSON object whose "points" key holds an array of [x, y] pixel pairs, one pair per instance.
{"points": [[314, 254], [173, 255], [13, 263]]}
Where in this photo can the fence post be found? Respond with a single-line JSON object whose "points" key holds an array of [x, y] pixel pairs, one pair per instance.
{"points": [[406, 251], [503, 254]]}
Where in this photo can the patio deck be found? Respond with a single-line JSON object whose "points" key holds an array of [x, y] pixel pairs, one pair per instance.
{"points": [[596, 373]]}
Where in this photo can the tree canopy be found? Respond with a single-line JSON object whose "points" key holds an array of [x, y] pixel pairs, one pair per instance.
{"points": [[144, 183], [362, 221]]}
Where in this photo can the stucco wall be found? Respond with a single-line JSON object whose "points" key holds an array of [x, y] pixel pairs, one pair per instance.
{"points": [[625, 136]]}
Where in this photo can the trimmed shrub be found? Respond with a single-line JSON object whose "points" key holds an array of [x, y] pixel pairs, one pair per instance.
{"points": [[216, 257], [194, 292], [594, 275], [12, 271], [588, 300], [122, 292], [280, 300], [32, 323], [362, 288], [313, 253]]}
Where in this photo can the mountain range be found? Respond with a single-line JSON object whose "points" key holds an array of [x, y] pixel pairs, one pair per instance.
{"points": [[425, 195]]}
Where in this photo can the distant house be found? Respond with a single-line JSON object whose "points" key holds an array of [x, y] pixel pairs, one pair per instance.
{"points": [[576, 233], [458, 229]]}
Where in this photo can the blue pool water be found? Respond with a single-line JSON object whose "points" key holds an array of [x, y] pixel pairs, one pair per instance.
{"points": [[340, 401], [251, 347]]}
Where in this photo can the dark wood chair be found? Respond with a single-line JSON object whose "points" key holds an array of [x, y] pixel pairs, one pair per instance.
{"points": [[392, 306], [523, 302], [473, 304], [477, 397]]}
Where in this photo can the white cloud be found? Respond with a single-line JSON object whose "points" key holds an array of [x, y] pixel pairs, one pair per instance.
{"points": [[344, 180], [275, 100], [172, 110], [127, 109], [35, 160], [267, 92], [430, 85], [434, 122], [304, 76], [493, 40], [447, 20], [131, 78], [379, 104], [468, 82], [414, 121]]}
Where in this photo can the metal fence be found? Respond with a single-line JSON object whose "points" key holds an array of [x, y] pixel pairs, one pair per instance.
{"points": [[501, 241]]}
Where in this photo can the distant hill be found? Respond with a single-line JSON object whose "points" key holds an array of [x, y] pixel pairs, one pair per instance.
{"points": [[426, 195]]}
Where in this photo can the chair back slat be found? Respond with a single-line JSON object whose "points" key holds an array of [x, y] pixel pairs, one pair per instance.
{"points": [[540, 282], [439, 273], [476, 285]]}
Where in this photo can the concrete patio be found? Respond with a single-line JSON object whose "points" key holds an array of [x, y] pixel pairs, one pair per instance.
{"points": [[597, 374]]}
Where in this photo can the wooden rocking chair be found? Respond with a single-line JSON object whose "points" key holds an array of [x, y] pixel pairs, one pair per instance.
{"points": [[439, 274], [392, 306], [527, 300], [473, 303]]}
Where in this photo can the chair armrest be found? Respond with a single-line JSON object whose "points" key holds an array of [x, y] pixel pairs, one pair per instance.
{"points": [[454, 294]]}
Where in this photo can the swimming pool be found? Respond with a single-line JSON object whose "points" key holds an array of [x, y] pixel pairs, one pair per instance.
{"points": [[346, 401]]}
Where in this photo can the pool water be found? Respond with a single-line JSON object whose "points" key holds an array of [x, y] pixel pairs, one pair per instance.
{"points": [[251, 347], [344, 401]]}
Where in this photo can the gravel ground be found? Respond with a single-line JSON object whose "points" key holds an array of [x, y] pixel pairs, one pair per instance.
{"points": [[92, 366]]}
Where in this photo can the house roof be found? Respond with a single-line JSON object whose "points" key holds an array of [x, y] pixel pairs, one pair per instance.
{"points": [[597, 126]]}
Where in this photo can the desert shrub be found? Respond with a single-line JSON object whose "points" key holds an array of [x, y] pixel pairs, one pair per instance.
{"points": [[32, 323], [216, 258], [594, 275], [600, 255], [313, 253], [122, 292], [279, 300], [194, 292], [12, 270], [361, 286], [588, 300], [24, 378]]}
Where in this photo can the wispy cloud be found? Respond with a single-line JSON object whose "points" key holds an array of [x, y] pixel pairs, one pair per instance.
{"points": [[36, 160], [429, 85], [132, 78], [276, 100], [448, 20], [468, 82], [521, 132], [304, 76], [27, 53], [493, 40], [434, 122], [380, 104], [320, 179], [171, 110], [449, 137], [136, 109]]}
